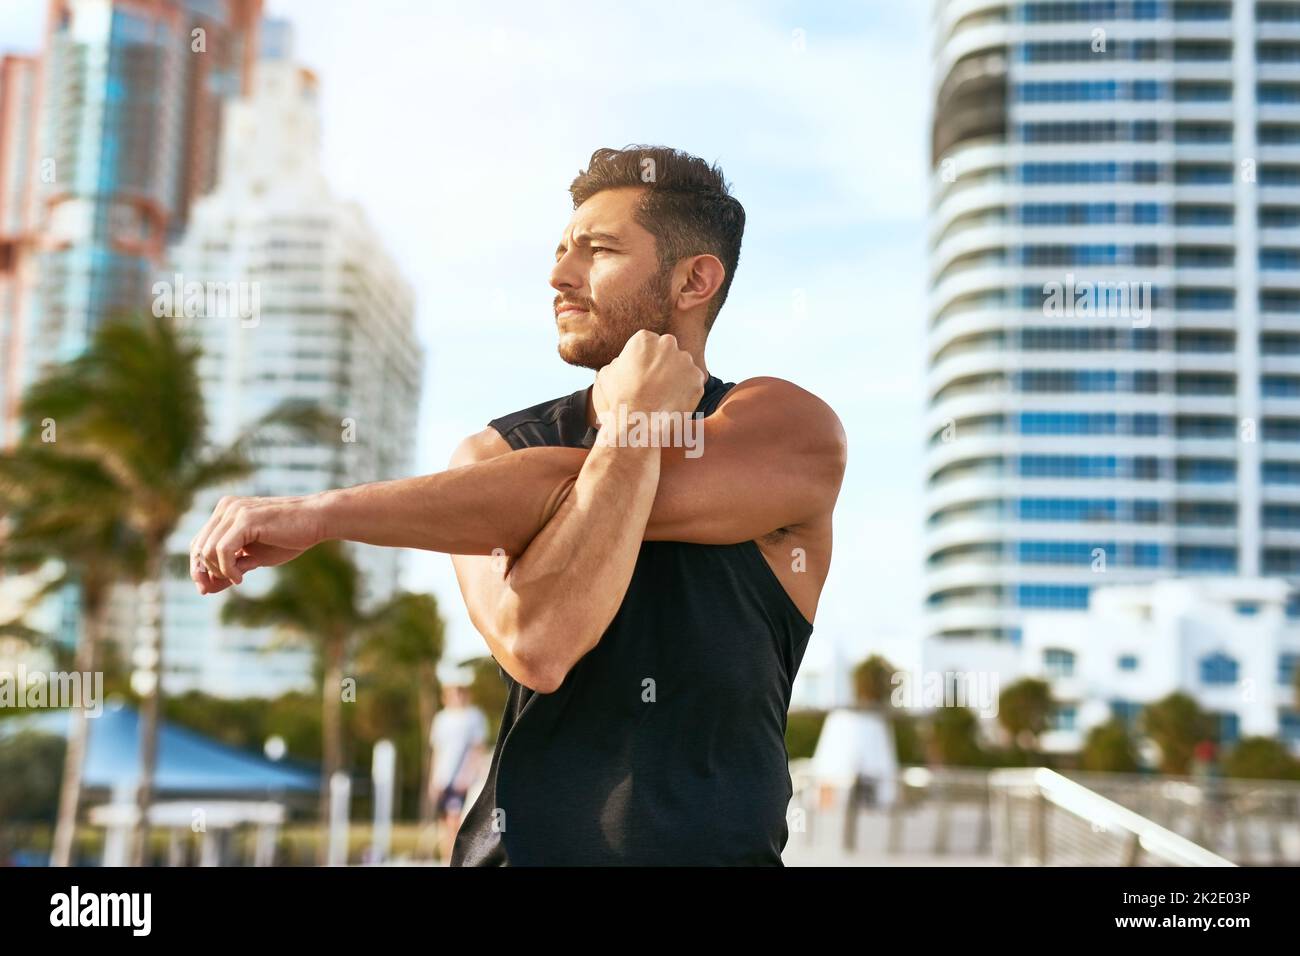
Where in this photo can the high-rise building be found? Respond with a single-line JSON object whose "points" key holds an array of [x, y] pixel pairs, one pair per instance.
{"points": [[295, 299], [127, 133], [1114, 325], [19, 171]]}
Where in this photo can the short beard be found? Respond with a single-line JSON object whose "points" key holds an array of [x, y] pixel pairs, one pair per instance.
{"points": [[645, 308]]}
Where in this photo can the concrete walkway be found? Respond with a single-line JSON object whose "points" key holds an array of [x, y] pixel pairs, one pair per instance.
{"points": [[917, 844]]}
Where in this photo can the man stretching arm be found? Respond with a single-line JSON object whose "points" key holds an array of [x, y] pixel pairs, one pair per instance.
{"points": [[774, 455], [654, 604]]}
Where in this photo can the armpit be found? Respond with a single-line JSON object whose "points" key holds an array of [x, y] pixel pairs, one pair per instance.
{"points": [[777, 536]]}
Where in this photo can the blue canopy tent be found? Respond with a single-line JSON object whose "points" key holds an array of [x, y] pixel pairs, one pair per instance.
{"points": [[188, 762]]}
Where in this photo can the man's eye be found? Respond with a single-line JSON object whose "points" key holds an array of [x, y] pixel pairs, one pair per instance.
{"points": [[599, 249]]}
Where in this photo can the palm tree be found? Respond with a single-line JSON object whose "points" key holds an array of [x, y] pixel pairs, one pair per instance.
{"points": [[1109, 748], [1261, 758], [315, 598], [133, 401], [68, 508], [1024, 710], [1177, 724], [1295, 683], [954, 737], [405, 637]]}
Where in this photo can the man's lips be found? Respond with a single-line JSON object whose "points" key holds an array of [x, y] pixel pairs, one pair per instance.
{"points": [[569, 310]]}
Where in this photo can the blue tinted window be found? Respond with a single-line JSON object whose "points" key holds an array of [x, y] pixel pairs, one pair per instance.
{"points": [[1147, 554], [1064, 717], [1285, 259], [1227, 727], [1074, 597], [1218, 668], [1278, 93], [1288, 725], [1206, 558], [1058, 662], [1281, 472], [1127, 712], [1286, 668], [1146, 213]]}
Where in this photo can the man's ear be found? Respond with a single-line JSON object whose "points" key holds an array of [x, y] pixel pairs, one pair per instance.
{"points": [[697, 280]]}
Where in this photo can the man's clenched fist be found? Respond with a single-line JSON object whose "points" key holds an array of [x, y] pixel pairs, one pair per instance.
{"points": [[651, 374], [247, 533]]}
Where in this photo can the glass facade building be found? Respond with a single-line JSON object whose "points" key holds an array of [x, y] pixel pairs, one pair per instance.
{"points": [[128, 129]]}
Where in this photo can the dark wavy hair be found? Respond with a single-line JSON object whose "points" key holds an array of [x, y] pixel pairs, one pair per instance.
{"points": [[687, 205]]}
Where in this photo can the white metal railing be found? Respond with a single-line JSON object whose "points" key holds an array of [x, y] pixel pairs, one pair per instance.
{"points": [[1042, 817], [1101, 819], [1249, 821]]}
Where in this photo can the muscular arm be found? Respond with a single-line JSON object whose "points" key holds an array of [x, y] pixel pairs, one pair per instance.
{"points": [[772, 459], [772, 456], [545, 609], [721, 504]]}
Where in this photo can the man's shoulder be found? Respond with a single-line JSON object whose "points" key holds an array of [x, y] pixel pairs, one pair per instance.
{"points": [[782, 401], [772, 386]]}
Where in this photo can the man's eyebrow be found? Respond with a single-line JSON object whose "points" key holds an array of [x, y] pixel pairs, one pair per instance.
{"points": [[585, 238]]}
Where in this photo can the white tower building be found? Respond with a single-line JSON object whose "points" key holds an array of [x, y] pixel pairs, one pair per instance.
{"points": [[1114, 324], [308, 305]]}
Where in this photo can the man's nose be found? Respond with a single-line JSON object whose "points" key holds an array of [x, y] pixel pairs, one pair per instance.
{"points": [[566, 277]]}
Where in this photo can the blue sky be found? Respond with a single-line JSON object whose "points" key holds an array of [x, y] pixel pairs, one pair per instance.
{"points": [[458, 128]]}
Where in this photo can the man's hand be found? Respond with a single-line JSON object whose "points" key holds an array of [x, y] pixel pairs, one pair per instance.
{"points": [[650, 375], [247, 533]]}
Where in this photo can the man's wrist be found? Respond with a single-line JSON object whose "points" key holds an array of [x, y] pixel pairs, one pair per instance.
{"points": [[329, 507], [638, 463], [624, 426]]}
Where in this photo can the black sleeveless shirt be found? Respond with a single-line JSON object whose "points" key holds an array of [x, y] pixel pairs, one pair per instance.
{"points": [[665, 744]]}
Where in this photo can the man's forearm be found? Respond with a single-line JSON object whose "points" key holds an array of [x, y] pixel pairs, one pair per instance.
{"points": [[569, 582], [734, 492], [571, 523], [475, 509]]}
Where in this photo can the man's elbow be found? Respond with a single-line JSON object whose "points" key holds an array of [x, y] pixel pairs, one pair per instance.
{"points": [[533, 649], [545, 682], [534, 669], [527, 668], [541, 673]]}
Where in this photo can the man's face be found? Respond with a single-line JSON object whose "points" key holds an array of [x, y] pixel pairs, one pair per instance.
{"points": [[607, 280]]}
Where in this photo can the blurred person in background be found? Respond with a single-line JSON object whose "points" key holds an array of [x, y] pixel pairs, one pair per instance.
{"points": [[457, 737]]}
